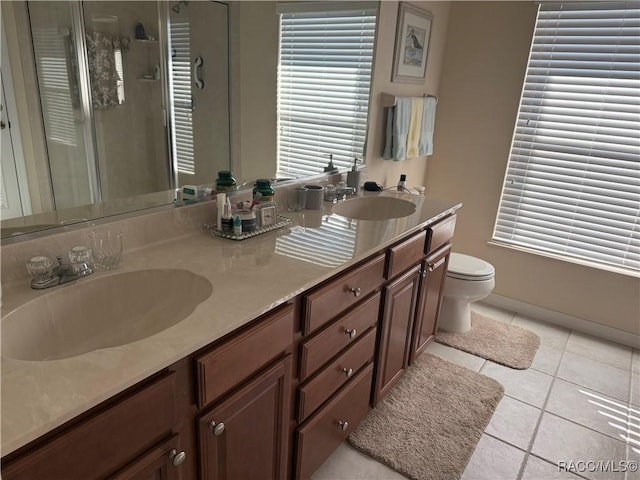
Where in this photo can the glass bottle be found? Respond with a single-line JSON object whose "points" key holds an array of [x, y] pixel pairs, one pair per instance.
{"points": [[225, 181], [263, 186]]}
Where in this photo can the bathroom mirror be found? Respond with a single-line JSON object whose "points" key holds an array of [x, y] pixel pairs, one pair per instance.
{"points": [[91, 138]]}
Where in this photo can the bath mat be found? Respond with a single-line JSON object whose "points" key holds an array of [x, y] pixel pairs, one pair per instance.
{"points": [[508, 345], [429, 424]]}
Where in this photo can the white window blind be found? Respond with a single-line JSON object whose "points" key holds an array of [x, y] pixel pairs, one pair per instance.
{"points": [[324, 77], [182, 99], [572, 186]]}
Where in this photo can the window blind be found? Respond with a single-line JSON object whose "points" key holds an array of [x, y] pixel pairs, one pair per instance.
{"points": [[182, 99], [324, 77], [572, 185]]}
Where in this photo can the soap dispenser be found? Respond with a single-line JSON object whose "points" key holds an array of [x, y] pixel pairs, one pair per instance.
{"points": [[353, 177], [330, 167]]}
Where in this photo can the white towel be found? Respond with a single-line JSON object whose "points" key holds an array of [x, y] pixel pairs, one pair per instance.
{"points": [[425, 145]]}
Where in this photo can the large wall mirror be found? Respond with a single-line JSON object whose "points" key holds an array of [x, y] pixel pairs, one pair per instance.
{"points": [[113, 104]]}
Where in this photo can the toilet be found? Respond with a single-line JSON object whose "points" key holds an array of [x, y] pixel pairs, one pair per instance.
{"points": [[468, 280]]}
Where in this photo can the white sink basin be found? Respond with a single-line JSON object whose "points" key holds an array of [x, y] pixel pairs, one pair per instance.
{"points": [[101, 313], [374, 208]]}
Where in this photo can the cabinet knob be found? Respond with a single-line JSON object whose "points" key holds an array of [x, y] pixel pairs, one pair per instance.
{"points": [[351, 332], [348, 372], [343, 425], [356, 291], [216, 428], [177, 458]]}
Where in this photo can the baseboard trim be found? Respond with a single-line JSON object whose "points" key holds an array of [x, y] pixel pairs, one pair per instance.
{"points": [[564, 320]]}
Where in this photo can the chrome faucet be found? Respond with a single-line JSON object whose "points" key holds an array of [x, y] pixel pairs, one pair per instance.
{"points": [[62, 273]]}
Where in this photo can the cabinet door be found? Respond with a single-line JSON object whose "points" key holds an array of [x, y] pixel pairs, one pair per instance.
{"points": [[434, 272], [399, 301], [246, 435], [160, 463]]}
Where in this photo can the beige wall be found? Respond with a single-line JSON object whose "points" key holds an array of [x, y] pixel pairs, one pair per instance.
{"points": [[388, 172], [485, 60]]}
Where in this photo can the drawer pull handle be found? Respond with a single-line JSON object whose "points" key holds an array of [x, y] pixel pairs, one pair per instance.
{"points": [[356, 291], [433, 266], [216, 428], [351, 332], [177, 458], [343, 425], [348, 372]]}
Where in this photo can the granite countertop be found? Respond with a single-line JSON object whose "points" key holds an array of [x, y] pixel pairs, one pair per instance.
{"points": [[249, 278]]}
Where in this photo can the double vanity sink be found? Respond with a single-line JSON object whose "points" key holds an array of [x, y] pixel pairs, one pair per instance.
{"points": [[68, 349]]}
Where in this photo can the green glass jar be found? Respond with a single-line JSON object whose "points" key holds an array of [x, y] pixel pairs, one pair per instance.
{"points": [[263, 186], [225, 181]]}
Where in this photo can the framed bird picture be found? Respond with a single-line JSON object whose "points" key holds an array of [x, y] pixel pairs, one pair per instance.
{"points": [[412, 44]]}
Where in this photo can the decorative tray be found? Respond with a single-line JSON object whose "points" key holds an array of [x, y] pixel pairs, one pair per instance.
{"points": [[280, 222]]}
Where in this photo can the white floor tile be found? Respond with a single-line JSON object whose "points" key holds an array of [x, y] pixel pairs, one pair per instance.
{"points": [[633, 439], [547, 359], [603, 351], [633, 455], [559, 440], [494, 460], [529, 386], [493, 312], [514, 422], [588, 408], [595, 375], [347, 463], [456, 356], [538, 469], [550, 335]]}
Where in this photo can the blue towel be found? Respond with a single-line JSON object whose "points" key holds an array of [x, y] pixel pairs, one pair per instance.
{"points": [[401, 118], [388, 143], [425, 145]]}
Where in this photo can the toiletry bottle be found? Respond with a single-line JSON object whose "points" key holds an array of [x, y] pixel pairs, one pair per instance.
{"points": [[227, 219], [237, 226], [221, 200], [330, 167], [225, 181], [353, 177], [263, 186], [402, 184]]}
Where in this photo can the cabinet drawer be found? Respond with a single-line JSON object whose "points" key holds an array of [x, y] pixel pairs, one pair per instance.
{"points": [[440, 233], [338, 294], [336, 374], [317, 351], [405, 254], [331, 425], [105, 442], [235, 360]]}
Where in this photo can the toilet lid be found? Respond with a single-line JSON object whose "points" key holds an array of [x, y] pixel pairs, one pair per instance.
{"points": [[468, 267]]}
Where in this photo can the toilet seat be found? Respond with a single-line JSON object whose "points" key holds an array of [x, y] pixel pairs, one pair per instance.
{"points": [[466, 267]]}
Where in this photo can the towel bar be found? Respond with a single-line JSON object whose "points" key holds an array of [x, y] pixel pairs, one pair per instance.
{"points": [[389, 99]]}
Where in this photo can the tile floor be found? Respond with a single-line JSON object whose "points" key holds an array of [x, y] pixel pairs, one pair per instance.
{"points": [[580, 400]]}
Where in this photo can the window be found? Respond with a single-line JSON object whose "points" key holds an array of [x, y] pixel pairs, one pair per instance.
{"points": [[572, 186], [324, 76], [182, 99]]}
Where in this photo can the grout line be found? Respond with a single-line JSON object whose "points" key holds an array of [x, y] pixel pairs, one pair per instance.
{"points": [[543, 410]]}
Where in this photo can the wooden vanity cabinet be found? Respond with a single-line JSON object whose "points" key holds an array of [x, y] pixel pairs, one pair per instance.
{"points": [[131, 430], [396, 326], [158, 463]]}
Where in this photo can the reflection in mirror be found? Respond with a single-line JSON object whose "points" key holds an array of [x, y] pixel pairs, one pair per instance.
{"points": [[195, 94], [104, 110]]}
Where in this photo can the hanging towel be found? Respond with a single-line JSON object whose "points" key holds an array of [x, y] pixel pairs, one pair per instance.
{"points": [[401, 117], [425, 146], [388, 142], [415, 126], [102, 70]]}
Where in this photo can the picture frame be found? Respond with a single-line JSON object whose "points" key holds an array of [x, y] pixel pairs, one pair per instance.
{"points": [[413, 34]]}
